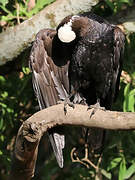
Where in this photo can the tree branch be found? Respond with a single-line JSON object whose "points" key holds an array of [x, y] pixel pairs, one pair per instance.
{"points": [[15, 39], [31, 131]]}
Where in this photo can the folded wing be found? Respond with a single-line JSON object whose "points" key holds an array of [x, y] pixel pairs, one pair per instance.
{"points": [[50, 82]]}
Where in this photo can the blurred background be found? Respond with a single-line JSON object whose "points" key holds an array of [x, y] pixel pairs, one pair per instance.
{"points": [[17, 103]]}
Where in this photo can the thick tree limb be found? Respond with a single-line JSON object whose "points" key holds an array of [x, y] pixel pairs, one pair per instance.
{"points": [[15, 39], [31, 131]]}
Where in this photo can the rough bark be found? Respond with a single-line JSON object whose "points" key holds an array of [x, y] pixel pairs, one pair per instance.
{"points": [[31, 131], [15, 39]]}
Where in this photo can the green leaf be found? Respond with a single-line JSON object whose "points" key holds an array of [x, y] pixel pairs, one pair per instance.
{"points": [[26, 70], [1, 153], [5, 9], [3, 2], [131, 103], [9, 110], [122, 169], [106, 174], [4, 94], [3, 105], [115, 162], [130, 171], [2, 138], [126, 98], [124, 1], [1, 123], [129, 99], [110, 4], [39, 5], [2, 79], [132, 92], [126, 90]]}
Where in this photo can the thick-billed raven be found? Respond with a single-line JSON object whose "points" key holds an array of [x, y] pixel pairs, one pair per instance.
{"points": [[82, 60]]}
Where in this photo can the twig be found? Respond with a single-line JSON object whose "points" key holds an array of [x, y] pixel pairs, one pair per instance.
{"points": [[18, 9]]}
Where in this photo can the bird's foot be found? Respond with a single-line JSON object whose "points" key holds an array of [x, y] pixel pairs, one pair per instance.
{"points": [[96, 107], [66, 102]]}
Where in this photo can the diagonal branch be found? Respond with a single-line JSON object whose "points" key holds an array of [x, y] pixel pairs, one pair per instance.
{"points": [[31, 131], [15, 39]]}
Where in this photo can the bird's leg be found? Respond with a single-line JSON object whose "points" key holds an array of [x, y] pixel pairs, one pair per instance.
{"points": [[95, 107], [68, 102]]}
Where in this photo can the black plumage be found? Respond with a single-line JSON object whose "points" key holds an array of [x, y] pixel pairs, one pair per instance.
{"points": [[95, 58], [87, 65]]}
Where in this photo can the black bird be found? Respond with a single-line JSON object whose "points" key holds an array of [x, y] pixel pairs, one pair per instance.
{"points": [[82, 61]]}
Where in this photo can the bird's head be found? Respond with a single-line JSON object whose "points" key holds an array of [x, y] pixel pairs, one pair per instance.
{"points": [[65, 30], [71, 27], [69, 31]]}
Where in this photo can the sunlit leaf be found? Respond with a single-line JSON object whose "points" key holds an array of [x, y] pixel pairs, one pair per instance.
{"points": [[9, 110], [2, 79], [4, 94], [26, 70], [1, 153], [39, 5], [129, 99], [3, 2], [3, 105], [126, 98], [122, 169], [131, 103], [2, 138], [132, 92], [106, 174], [115, 162], [124, 1], [1, 123], [130, 171], [110, 4]]}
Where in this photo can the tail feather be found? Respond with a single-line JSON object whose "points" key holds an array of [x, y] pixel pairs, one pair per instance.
{"points": [[58, 143]]}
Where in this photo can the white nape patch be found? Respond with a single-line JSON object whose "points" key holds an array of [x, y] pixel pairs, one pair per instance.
{"points": [[65, 33]]}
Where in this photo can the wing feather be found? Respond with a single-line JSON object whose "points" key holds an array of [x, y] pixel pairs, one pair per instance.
{"points": [[50, 82], [119, 43]]}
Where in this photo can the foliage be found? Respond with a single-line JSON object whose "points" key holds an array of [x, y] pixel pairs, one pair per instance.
{"points": [[117, 5], [19, 10], [17, 103], [129, 99], [109, 7]]}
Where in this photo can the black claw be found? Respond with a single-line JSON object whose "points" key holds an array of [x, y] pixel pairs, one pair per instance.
{"points": [[95, 107], [68, 102], [65, 109]]}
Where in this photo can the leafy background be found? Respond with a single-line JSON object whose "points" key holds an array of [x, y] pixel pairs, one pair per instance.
{"points": [[17, 103]]}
